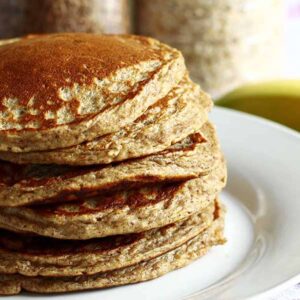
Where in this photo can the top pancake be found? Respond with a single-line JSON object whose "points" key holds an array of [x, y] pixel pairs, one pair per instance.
{"points": [[180, 113], [63, 89]]}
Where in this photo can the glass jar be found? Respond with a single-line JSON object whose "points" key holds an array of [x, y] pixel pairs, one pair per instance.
{"points": [[21, 17], [107, 16], [225, 42], [11, 18]]}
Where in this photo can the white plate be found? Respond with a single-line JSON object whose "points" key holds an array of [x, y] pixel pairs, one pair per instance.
{"points": [[262, 254]]}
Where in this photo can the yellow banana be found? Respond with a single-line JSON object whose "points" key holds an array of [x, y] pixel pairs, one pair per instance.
{"points": [[277, 100]]}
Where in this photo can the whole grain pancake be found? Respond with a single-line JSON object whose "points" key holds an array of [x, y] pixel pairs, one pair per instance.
{"points": [[127, 211], [182, 112], [39, 256], [60, 90], [146, 270], [26, 184]]}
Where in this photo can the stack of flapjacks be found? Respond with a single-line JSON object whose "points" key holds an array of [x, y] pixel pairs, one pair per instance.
{"points": [[110, 170]]}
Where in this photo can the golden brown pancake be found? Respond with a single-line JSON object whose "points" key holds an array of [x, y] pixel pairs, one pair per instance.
{"points": [[32, 255], [147, 270], [182, 112], [110, 169], [60, 90], [27, 184], [127, 211]]}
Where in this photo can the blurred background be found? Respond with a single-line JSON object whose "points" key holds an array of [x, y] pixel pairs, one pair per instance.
{"points": [[227, 44]]}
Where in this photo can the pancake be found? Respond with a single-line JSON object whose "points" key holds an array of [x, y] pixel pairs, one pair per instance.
{"points": [[38, 256], [123, 212], [60, 90], [181, 113], [28, 184], [146, 270], [110, 169]]}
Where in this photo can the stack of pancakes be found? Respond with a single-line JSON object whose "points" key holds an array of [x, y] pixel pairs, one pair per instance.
{"points": [[110, 170]]}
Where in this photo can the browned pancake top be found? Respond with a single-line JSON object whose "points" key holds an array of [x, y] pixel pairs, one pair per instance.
{"points": [[33, 69]]}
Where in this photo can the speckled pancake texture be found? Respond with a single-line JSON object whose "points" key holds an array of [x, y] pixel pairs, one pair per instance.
{"points": [[145, 270], [110, 169], [127, 211], [195, 155], [59, 90], [34, 255]]}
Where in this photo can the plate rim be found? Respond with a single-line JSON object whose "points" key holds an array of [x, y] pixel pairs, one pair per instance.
{"points": [[285, 284], [258, 119], [271, 292]]}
